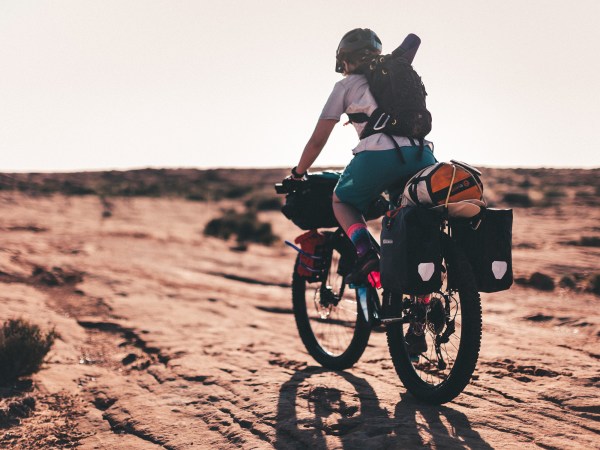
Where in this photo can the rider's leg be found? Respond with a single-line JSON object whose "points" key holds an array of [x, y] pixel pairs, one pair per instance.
{"points": [[353, 223], [346, 214], [364, 178]]}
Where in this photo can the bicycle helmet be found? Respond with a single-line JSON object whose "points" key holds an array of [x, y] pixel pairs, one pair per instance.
{"points": [[353, 41]]}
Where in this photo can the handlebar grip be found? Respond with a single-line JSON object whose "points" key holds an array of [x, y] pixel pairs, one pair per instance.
{"points": [[288, 185]]}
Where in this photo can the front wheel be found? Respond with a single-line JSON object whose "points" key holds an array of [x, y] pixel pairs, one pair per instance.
{"points": [[328, 315], [436, 351]]}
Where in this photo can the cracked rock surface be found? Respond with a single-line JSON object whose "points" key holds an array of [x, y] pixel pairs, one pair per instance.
{"points": [[173, 340]]}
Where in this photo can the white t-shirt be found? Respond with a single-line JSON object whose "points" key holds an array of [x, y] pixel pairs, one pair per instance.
{"points": [[352, 95]]}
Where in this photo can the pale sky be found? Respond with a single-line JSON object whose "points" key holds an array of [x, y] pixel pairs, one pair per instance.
{"points": [[147, 83]]}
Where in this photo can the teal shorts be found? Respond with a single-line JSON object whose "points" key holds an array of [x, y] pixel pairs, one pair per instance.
{"points": [[372, 172]]}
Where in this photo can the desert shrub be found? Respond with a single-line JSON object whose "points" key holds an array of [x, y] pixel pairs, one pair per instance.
{"points": [[589, 241], [23, 347], [196, 197], [585, 195], [245, 226], [526, 183], [517, 199], [567, 282], [594, 284], [264, 204], [554, 193], [541, 281], [586, 241]]}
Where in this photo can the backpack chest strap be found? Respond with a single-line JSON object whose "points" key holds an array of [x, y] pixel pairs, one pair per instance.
{"points": [[375, 123]]}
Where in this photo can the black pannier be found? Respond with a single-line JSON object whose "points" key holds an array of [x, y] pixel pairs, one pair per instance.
{"points": [[411, 257], [309, 206], [488, 248]]}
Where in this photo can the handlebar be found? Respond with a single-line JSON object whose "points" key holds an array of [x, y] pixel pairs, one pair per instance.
{"points": [[289, 185], [322, 180]]}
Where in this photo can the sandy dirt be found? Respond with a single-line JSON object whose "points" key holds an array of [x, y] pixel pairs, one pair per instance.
{"points": [[170, 339]]}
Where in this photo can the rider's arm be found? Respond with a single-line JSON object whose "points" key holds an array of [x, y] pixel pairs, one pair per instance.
{"points": [[315, 144]]}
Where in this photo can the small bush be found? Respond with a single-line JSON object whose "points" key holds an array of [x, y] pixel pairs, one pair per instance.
{"points": [[264, 204], [196, 197], [594, 284], [586, 241], [526, 183], [23, 347], [541, 281], [245, 226], [567, 282], [584, 195], [517, 199], [589, 241], [554, 193]]}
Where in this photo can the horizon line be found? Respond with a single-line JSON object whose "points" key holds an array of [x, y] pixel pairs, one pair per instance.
{"points": [[317, 168]]}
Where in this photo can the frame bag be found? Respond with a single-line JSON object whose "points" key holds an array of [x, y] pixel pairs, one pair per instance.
{"points": [[411, 257], [489, 249]]}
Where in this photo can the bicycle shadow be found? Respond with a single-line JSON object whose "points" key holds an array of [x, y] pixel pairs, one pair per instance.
{"points": [[318, 416]]}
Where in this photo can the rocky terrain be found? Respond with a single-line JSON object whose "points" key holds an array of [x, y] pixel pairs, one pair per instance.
{"points": [[170, 338]]}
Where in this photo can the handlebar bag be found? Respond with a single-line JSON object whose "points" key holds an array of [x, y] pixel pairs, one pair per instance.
{"points": [[411, 257], [489, 249], [309, 206]]}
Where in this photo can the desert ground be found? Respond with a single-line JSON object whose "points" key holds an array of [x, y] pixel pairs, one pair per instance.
{"points": [[173, 339]]}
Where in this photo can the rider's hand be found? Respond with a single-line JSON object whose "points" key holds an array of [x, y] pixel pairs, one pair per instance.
{"points": [[296, 176]]}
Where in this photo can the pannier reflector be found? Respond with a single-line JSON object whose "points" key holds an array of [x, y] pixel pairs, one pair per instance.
{"points": [[499, 269], [426, 270]]}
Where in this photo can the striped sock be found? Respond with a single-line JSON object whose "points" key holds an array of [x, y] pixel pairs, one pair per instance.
{"points": [[359, 236]]}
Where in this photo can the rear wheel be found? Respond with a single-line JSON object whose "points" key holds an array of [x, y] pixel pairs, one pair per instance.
{"points": [[449, 322], [330, 321]]}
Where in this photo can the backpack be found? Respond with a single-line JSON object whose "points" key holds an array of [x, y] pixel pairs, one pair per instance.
{"points": [[411, 255], [445, 183], [400, 96]]}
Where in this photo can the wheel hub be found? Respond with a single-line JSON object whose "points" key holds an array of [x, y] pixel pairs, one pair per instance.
{"points": [[436, 316]]}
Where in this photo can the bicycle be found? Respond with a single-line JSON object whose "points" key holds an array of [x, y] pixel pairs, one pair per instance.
{"points": [[335, 320]]}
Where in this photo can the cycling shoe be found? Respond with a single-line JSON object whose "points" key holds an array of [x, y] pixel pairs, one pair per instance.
{"points": [[366, 264]]}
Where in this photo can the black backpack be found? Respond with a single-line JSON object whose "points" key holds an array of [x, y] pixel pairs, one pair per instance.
{"points": [[400, 96], [400, 93]]}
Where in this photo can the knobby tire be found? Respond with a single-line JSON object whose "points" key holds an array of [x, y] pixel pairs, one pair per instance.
{"points": [[470, 339], [360, 338]]}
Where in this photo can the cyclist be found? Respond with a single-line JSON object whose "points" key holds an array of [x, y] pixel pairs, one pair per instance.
{"points": [[376, 165]]}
